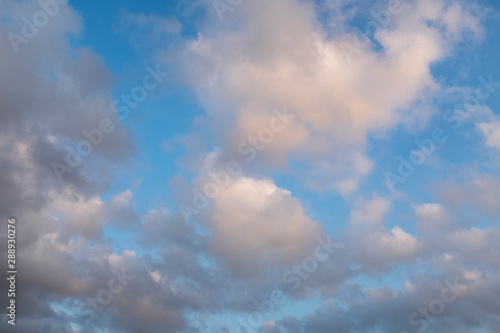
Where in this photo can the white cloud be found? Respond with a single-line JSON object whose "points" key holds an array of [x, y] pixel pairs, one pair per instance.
{"points": [[491, 132], [371, 244], [432, 217], [279, 54], [255, 222], [370, 213]]}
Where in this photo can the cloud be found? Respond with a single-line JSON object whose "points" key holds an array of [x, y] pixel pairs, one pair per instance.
{"points": [[52, 90], [267, 55], [402, 310], [479, 192], [55, 91], [254, 222], [371, 244], [491, 132], [432, 217], [280, 54]]}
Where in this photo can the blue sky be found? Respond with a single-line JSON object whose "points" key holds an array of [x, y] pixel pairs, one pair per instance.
{"points": [[342, 155]]}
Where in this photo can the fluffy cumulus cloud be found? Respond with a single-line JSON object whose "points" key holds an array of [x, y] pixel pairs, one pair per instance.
{"points": [[51, 92], [372, 244], [269, 212], [477, 192], [432, 217], [255, 222], [340, 86]]}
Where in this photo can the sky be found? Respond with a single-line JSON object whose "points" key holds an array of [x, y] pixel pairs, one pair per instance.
{"points": [[284, 166]]}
